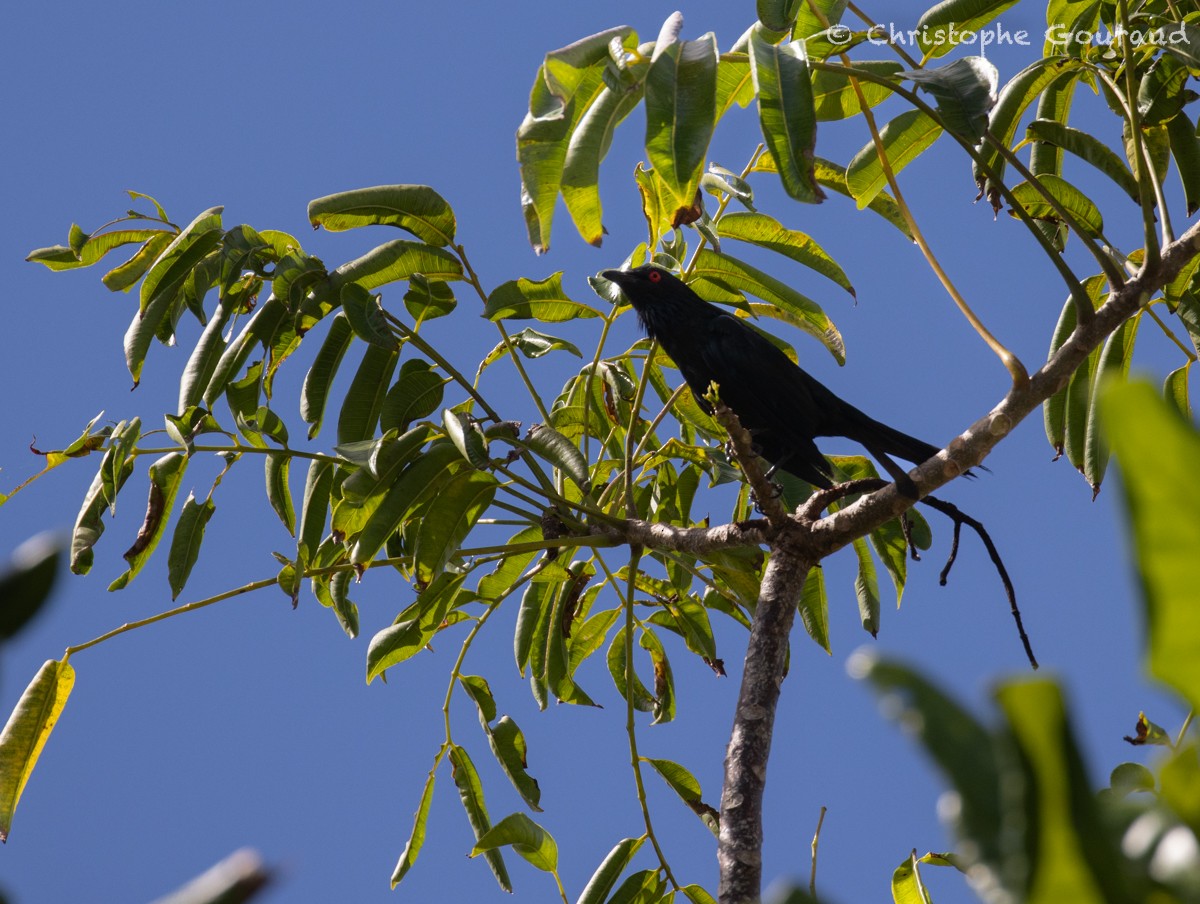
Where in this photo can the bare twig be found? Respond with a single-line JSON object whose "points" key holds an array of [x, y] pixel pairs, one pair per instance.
{"points": [[765, 494], [812, 876]]}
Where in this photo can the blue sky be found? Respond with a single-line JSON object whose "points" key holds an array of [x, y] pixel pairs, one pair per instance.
{"points": [[249, 724]]}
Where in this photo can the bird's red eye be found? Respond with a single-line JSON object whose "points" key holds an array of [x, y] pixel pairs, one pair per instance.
{"points": [[654, 276]]}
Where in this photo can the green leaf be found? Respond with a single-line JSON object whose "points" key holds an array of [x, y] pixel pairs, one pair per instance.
{"points": [[1087, 148], [808, 22], [1071, 856], [683, 783], [324, 368], [645, 887], [279, 493], [778, 15], [1187, 49], [417, 393], [767, 232], [115, 468], [1021, 90], [26, 732], [735, 274], [364, 399], [396, 260], [466, 434], [123, 277], [866, 588], [527, 838], [907, 887], [581, 167], [314, 509], [545, 300], [259, 329], [470, 790], [965, 91], [459, 504], [951, 22], [550, 445], [27, 581], [786, 113], [1180, 778], [697, 894], [366, 317], [1056, 408], [428, 299], [1161, 92], [814, 608], [903, 139], [1175, 390], [833, 176], [166, 475], [531, 609], [416, 839], [1113, 366], [186, 542], [186, 250], [1185, 148], [202, 363], [1159, 452], [543, 136], [681, 112], [960, 747], [834, 96], [532, 344], [508, 746], [1127, 778], [606, 874], [416, 208], [1085, 212], [642, 699], [414, 627], [419, 479], [664, 681]]}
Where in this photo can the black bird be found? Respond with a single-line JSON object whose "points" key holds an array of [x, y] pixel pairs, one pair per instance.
{"points": [[782, 406]]}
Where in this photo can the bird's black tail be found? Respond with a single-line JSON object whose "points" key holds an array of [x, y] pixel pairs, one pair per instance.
{"points": [[878, 437]]}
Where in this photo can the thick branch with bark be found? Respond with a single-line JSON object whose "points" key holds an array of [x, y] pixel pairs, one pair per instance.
{"points": [[971, 447], [739, 848]]}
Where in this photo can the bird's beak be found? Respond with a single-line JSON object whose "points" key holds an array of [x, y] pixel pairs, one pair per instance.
{"points": [[616, 276]]}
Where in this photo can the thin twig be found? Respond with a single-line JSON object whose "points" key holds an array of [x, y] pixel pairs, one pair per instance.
{"points": [[812, 876], [743, 452]]}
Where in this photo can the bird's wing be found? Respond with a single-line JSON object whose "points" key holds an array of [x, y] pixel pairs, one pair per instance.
{"points": [[781, 405], [758, 381]]}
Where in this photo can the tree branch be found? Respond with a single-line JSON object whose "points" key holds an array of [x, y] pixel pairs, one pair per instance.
{"points": [[739, 847], [969, 449]]}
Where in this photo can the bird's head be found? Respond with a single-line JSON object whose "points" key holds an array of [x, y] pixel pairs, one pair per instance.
{"points": [[658, 296]]}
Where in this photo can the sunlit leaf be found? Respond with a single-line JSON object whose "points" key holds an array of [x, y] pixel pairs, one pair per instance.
{"points": [[786, 113], [186, 542], [681, 113], [544, 300], [904, 139], [26, 733], [470, 790], [525, 836], [416, 208]]}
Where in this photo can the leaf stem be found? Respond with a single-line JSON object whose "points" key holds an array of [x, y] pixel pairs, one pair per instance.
{"points": [[1010, 361], [635, 556], [473, 279], [170, 613]]}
